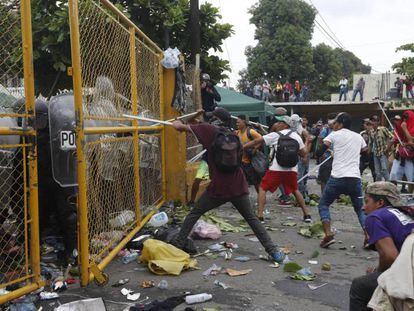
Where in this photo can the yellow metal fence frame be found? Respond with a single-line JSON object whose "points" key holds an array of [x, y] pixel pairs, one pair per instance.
{"points": [[28, 137], [88, 268]]}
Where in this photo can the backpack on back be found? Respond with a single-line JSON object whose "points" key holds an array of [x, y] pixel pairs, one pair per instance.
{"points": [[227, 150], [287, 152]]}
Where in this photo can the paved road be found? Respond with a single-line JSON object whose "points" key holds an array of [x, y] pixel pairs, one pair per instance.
{"points": [[265, 288]]}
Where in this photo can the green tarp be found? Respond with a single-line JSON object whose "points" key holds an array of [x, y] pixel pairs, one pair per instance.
{"points": [[237, 104]]}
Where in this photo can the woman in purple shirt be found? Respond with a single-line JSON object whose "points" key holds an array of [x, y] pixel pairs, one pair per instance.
{"points": [[387, 226]]}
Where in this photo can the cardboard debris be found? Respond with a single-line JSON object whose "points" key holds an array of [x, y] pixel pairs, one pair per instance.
{"points": [[232, 272]]}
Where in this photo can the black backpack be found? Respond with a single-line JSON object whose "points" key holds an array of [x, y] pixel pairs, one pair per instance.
{"points": [[227, 150], [287, 152]]}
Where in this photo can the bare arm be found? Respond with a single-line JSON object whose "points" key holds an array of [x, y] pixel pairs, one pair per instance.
{"points": [[180, 127], [406, 132], [387, 253], [254, 143]]}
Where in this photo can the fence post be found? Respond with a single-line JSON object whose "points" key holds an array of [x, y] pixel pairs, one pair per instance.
{"points": [[26, 22], [175, 144], [80, 140], [134, 110]]}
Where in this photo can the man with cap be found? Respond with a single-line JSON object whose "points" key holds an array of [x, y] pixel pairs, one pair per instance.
{"points": [[367, 159], [387, 226], [225, 186], [381, 141], [209, 94], [279, 175], [345, 176]]}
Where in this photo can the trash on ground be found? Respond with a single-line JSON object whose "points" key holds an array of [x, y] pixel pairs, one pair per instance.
{"points": [[93, 304], [167, 304], [163, 284], [304, 274], [204, 230], [48, 296], [314, 231], [222, 224], [255, 239], [216, 247], [230, 245], [289, 224], [343, 248], [299, 252], [199, 298], [22, 306], [292, 267], [290, 218], [286, 250], [232, 272], [158, 220], [315, 254], [147, 284], [124, 218], [126, 291], [120, 283], [264, 257], [130, 257], [242, 258], [353, 247], [221, 284], [59, 286], [226, 254], [326, 266], [163, 258], [213, 270], [133, 297], [286, 260], [315, 287], [274, 265], [313, 262]]}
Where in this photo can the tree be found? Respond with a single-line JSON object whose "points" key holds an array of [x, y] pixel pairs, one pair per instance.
{"points": [[406, 66], [168, 21], [330, 66], [283, 30]]}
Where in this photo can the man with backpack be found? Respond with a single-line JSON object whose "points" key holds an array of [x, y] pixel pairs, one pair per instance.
{"points": [[287, 146], [228, 183], [345, 176]]}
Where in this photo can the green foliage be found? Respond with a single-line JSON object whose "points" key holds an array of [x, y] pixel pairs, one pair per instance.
{"points": [[284, 31], [406, 66], [162, 19]]}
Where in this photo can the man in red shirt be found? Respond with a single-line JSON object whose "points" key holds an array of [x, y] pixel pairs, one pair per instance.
{"points": [[224, 186]]}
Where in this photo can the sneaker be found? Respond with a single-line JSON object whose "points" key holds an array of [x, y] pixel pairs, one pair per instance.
{"points": [[327, 240], [261, 219], [278, 256], [307, 219]]}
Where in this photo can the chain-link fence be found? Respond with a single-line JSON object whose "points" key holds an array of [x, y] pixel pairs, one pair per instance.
{"points": [[19, 231], [119, 161]]}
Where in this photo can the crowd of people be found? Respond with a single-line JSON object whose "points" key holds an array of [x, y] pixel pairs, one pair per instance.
{"points": [[235, 159], [280, 91]]}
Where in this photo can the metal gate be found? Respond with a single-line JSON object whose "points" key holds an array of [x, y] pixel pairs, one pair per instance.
{"points": [[19, 221], [121, 164]]}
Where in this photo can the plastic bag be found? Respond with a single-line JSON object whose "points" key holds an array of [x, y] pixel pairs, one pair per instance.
{"points": [[171, 58], [163, 258], [204, 230], [259, 163]]}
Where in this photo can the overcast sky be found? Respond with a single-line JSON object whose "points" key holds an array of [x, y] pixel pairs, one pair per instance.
{"points": [[371, 29]]}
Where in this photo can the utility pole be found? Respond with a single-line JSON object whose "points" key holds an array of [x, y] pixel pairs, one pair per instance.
{"points": [[195, 29]]}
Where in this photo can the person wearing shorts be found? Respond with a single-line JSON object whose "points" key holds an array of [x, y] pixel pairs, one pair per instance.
{"points": [[277, 175]]}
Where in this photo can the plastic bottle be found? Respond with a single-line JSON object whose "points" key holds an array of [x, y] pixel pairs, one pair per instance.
{"points": [[163, 284], [130, 257], [192, 299], [158, 220]]}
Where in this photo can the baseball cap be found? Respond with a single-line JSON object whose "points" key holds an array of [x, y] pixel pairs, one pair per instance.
{"points": [[397, 117], [387, 189], [285, 119], [280, 111]]}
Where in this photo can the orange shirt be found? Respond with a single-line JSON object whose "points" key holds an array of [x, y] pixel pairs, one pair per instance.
{"points": [[245, 139]]}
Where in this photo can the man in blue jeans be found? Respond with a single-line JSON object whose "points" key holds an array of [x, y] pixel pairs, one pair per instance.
{"points": [[345, 176]]}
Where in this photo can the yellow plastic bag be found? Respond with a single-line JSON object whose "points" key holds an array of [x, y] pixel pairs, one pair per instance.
{"points": [[163, 258]]}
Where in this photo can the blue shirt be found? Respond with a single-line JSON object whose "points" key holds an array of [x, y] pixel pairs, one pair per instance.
{"points": [[388, 222], [323, 134]]}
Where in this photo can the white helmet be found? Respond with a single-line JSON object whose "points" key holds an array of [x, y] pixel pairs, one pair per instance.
{"points": [[205, 77]]}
